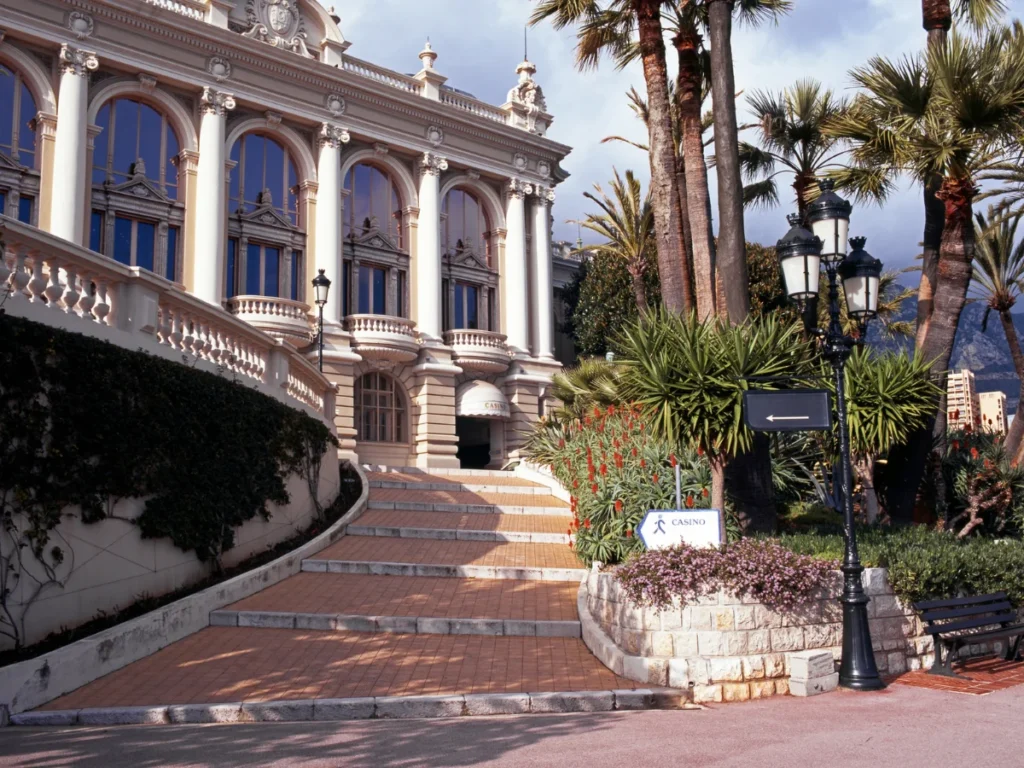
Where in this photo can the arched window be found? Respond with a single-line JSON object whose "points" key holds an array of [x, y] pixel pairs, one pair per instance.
{"points": [[466, 228], [138, 211], [469, 285], [376, 265], [380, 409], [19, 180], [265, 241], [372, 200]]}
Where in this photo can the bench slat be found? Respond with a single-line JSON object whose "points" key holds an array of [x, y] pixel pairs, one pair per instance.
{"points": [[956, 602], [956, 626], [980, 637], [974, 610]]}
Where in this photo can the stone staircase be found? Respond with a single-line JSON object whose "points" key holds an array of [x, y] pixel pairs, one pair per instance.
{"points": [[453, 593]]}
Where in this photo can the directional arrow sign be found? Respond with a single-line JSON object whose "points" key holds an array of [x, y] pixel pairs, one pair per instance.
{"points": [[793, 410]]}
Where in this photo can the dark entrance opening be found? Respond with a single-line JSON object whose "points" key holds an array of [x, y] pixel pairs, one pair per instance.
{"points": [[474, 435]]}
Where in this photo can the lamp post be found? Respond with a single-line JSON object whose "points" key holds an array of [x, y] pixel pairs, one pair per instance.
{"points": [[321, 287], [802, 254]]}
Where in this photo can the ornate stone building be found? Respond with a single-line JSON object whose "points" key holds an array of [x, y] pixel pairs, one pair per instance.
{"points": [[235, 148]]}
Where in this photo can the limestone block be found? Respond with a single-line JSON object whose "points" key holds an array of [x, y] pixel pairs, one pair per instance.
{"points": [[809, 665], [706, 600], [753, 667], [886, 606], [923, 645], [787, 639], [774, 665], [630, 616], [897, 663], [762, 689], [684, 644], [744, 617], [634, 641], [497, 703], [699, 617], [831, 611], [815, 686], [679, 673], [710, 643], [707, 694], [657, 672], [580, 701], [736, 692], [734, 643], [914, 664], [876, 582], [724, 620], [343, 709], [278, 711], [765, 618], [635, 668], [822, 635], [759, 641], [651, 618], [419, 706], [661, 643], [782, 686], [671, 619], [726, 670]]}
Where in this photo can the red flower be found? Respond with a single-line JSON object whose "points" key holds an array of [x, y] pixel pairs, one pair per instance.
{"points": [[552, 468], [689, 502], [700, 450], [956, 445], [655, 478], [974, 453], [616, 442], [643, 463], [586, 523], [604, 470], [568, 462], [618, 505], [629, 534], [593, 488], [570, 545], [672, 459], [587, 420], [568, 531], [597, 412], [987, 464], [704, 492], [618, 460], [575, 483], [561, 443], [611, 409]]}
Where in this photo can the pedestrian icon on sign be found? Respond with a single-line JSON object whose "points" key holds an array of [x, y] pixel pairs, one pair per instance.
{"points": [[660, 527]]}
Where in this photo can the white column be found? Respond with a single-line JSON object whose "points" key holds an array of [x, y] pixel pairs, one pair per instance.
{"points": [[67, 215], [211, 190], [543, 319], [515, 269], [428, 247], [328, 216]]}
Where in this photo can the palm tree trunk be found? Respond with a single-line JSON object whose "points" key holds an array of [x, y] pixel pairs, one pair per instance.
{"points": [[749, 477], [937, 18], [864, 467], [684, 217], [664, 192], [718, 491], [732, 245], [1012, 443], [934, 220], [801, 184], [698, 195], [639, 292]]}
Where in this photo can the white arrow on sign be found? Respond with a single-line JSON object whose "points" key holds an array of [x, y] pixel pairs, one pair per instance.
{"points": [[773, 418]]}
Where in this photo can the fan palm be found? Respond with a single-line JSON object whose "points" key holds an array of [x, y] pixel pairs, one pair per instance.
{"points": [[791, 140], [626, 222], [591, 382], [609, 27], [948, 114], [938, 15], [999, 281]]}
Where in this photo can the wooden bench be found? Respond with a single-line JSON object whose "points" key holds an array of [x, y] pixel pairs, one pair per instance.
{"points": [[964, 621]]}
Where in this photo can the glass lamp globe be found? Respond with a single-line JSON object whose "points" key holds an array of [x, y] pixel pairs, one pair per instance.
{"points": [[321, 287], [799, 254], [860, 273], [829, 218]]}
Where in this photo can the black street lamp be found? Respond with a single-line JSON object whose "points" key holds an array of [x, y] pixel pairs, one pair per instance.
{"points": [[321, 287], [801, 254]]}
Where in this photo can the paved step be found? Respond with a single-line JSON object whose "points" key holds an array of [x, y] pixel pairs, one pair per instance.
{"points": [[443, 482], [544, 529], [497, 474], [468, 502], [227, 665], [372, 549], [395, 596]]}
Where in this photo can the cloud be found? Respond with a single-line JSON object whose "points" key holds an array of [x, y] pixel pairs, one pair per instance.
{"points": [[479, 43]]}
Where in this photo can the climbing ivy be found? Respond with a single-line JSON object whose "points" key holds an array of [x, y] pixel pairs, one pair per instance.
{"points": [[84, 423]]}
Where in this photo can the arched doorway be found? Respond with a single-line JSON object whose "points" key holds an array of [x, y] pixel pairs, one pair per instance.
{"points": [[481, 412]]}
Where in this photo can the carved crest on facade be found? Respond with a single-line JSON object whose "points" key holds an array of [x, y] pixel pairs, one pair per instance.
{"points": [[277, 22], [219, 67], [335, 104], [80, 24], [435, 136]]}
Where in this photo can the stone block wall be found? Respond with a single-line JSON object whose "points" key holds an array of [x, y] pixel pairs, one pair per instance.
{"points": [[724, 648]]}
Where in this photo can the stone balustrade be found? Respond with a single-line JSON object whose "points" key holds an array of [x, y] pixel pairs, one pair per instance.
{"points": [[476, 350], [473, 106], [383, 338], [193, 10], [51, 281], [381, 75], [276, 316]]}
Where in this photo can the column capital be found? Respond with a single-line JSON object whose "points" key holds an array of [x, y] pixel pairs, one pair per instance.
{"points": [[46, 123], [188, 160], [216, 102], [75, 61], [432, 164], [543, 195], [517, 189], [332, 136]]}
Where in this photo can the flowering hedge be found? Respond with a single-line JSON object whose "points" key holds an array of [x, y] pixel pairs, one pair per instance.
{"points": [[752, 568], [615, 472]]}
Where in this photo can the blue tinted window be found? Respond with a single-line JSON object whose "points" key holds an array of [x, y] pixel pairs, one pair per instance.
{"points": [[132, 131], [172, 253], [296, 274], [235, 176], [7, 91], [252, 270], [3, 202], [145, 244], [25, 209], [271, 272], [346, 279], [99, 153], [17, 110], [471, 307], [460, 303], [27, 137], [96, 232], [126, 131], [262, 164], [232, 270], [364, 291], [380, 292], [123, 240]]}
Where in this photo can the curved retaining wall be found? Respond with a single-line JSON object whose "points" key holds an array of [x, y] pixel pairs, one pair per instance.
{"points": [[30, 684], [723, 648]]}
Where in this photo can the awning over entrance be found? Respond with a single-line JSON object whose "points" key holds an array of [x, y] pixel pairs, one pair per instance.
{"points": [[482, 400]]}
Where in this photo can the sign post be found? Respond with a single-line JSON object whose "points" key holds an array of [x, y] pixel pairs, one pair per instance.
{"points": [[792, 410]]}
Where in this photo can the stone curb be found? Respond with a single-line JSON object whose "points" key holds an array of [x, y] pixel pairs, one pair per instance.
{"points": [[453, 534], [468, 509], [396, 485], [380, 707], [30, 684], [395, 624], [444, 571]]}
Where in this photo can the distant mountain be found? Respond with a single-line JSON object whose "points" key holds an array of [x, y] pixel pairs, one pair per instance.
{"points": [[984, 352]]}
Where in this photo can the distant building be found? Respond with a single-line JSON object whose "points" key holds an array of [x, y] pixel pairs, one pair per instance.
{"points": [[993, 412], [566, 258], [963, 407]]}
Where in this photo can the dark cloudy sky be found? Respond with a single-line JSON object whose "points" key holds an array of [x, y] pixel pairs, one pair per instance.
{"points": [[480, 42]]}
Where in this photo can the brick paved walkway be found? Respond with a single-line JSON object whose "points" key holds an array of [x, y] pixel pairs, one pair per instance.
{"points": [[977, 677], [259, 663]]}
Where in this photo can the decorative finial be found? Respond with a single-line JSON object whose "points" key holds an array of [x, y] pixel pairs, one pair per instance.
{"points": [[795, 220], [858, 243], [428, 56], [826, 184]]}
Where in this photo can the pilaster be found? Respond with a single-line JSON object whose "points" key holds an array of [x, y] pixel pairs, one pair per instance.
{"points": [[209, 245], [428, 256], [69, 188], [542, 327], [326, 248], [514, 274], [46, 135], [188, 176]]}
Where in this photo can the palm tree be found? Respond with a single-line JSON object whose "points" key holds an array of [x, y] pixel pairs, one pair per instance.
{"points": [[732, 244], [792, 140], [610, 29], [998, 281], [937, 16], [948, 114], [626, 222]]}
